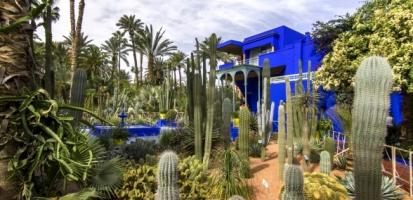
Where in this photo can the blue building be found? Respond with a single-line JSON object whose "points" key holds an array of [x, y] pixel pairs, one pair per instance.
{"points": [[283, 47]]}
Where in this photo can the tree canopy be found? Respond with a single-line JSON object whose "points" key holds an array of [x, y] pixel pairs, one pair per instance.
{"points": [[380, 27]]}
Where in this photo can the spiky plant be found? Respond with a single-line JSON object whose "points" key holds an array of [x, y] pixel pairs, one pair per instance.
{"points": [[281, 140], [373, 83], [325, 164], [294, 183], [168, 188]]}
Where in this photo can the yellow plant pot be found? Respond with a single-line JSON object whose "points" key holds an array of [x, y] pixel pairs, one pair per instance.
{"points": [[235, 121], [162, 115], [119, 141]]}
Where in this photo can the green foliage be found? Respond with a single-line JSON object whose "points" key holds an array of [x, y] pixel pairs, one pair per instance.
{"points": [[325, 162], [171, 114], [140, 182], [49, 149], [319, 186], [139, 149], [330, 147], [168, 177], [85, 194], [169, 139], [340, 161], [389, 189], [294, 183], [373, 22], [373, 83], [255, 150], [120, 134], [228, 181]]}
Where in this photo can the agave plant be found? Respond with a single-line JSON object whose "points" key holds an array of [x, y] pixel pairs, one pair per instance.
{"points": [[340, 161], [389, 189]]}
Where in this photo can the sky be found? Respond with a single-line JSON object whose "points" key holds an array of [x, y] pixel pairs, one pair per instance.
{"points": [[184, 20]]}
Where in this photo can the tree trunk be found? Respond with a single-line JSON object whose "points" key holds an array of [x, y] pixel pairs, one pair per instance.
{"points": [[408, 115], [14, 64], [180, 80], [175, 79], [48, 51], [135, 61], [141, 64], [75, 32], [151, 76]]}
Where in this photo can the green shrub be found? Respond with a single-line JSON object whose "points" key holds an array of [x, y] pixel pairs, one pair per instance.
{"points": [[171, 114], [120, 134], [169, 139], [139, 149]]}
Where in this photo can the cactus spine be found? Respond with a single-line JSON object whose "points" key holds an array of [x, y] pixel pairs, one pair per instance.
{"points": [[294, 183], [325, 162], [168, 188], [210, 99], [226, 121], [290, 125], [330, 147], [373, 83], [77, 95], [244, 115], [281, 140]]}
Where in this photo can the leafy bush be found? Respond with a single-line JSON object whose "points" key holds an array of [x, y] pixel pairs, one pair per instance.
{"points": [[139, 149], [389, 189], [120, 134], [318, 186]]}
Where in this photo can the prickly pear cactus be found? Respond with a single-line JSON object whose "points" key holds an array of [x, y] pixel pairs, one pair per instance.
{"points": [[325, 163], [373, 83], [294, 183], [168, 188]]}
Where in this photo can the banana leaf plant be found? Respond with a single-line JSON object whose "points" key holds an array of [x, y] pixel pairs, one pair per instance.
{"points": [[50, 153]]}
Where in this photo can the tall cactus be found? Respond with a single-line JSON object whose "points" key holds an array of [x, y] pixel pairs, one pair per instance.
{"points": [[290, 125], [197, 113], [325, 163], [189, 92], [243, 144], [281, 140], [330, 147], [373, 83], [226, 121], [77, 95], [294, 183], [168, 188], [210, 99]]}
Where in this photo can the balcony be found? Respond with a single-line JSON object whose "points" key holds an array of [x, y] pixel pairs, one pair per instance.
{"points": [[235, 62]]}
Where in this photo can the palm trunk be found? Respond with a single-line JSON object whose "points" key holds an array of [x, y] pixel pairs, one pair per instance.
{"points": [[15, 48], [141, 64], [175, 79], [48, 51], [151, 76], [180, 80], [135, 60], [75, 32]]}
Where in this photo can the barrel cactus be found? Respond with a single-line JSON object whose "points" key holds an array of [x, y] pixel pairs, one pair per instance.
{"points": [[325, 163], [294, 183], [373, 83], [168, 188]]}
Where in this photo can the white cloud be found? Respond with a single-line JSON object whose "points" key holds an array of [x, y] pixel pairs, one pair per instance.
{"points": [[186, 19]]}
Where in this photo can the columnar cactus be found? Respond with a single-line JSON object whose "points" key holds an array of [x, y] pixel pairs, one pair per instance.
{"points": [[330, 147], [244, 115], [265, 125], [325, 162], [197, 114], [294, 183], [168, 188], [281, 140], [77, 95], [210, 99], [226, 120], [373, 83], [189, 92], [290, 125]]}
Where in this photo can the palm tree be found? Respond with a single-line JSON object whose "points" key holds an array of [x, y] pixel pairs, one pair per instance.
{"points": [[177, 60], [94, 60], [16, 75], [204, 49], [154, 45], [116, 48], [131, 25], [75, 32]]}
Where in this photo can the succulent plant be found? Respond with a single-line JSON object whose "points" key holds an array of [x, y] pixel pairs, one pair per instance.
{"points": [[373, 83], [294, 183], [168, 188], [340, 161], [325, 164], [319, 186], [389, 189]]}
